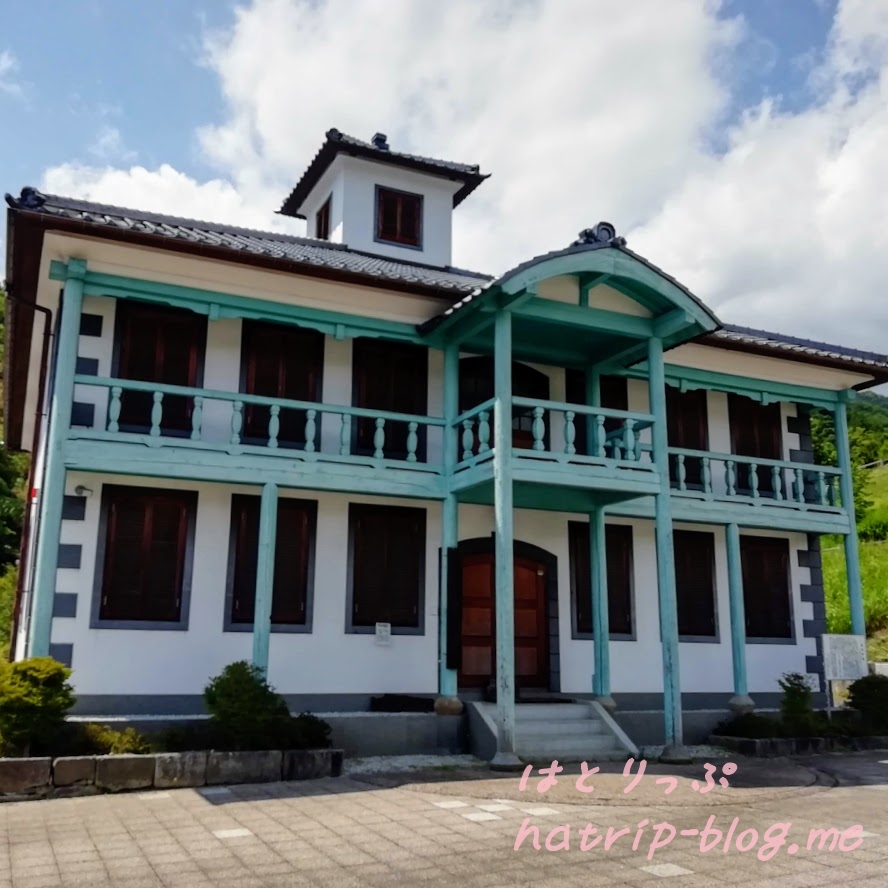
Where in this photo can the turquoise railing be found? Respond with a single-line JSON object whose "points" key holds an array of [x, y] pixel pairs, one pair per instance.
{"points": [[731, 476], [337, 441], [623, 444]]}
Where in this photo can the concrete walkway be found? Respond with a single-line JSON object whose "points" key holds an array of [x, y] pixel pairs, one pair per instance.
{"points": [[458, 828]]}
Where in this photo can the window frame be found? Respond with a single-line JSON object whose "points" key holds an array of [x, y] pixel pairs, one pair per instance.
{"points": [[229, 625], [715, 638], [361, 363], [379, 192], [109, 491], [249, 329], [122, 308], [356, 509], [322, 220], [576, 633], [790, 594]]}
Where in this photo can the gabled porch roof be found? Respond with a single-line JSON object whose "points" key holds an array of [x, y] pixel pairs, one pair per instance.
{"points": [[579, 334]]}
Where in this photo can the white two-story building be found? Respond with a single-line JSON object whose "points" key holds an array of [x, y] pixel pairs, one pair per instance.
{"points": [[373, 473]]}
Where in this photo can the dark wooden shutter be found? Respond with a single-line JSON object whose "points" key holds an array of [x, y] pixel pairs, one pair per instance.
{"points": [[280, 361], [164, 345], [618, 544], [388, 557], [756, 430], [145, 552], [694, 553], [580, 575], [766, 587], [390, 377], [687, 426], [294, 543]]}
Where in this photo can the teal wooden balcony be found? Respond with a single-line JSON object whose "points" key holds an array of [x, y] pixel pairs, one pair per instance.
{"points": [[216, 435], [564, 456], [752, 481]]}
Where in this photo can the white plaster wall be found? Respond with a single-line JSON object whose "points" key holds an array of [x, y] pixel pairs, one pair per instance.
{"points": [[359, 180], [327, 660]]}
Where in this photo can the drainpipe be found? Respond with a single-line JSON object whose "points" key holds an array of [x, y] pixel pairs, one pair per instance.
{"points": [[39, 415]]}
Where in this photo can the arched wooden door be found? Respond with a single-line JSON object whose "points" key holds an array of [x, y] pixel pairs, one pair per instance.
{"points": [[531, 636]]}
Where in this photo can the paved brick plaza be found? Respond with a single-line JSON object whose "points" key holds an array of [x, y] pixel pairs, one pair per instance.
{"points": [[457, 829]]}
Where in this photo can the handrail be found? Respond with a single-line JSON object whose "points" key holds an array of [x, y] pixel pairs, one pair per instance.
{"points": [[737, 458], [259, 400], [474, 411], [585, 409]]}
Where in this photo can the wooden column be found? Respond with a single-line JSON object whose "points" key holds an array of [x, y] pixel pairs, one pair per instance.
{"points": [[52, 493], [672, 713], [741, 701], [265, 576], [846, 487], [447, 678], [504, 546]]}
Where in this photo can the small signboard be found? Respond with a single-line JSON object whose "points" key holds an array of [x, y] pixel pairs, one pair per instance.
{"points": [[384, 634], [844, 657]]}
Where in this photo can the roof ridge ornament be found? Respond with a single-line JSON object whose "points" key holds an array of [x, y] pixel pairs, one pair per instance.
{"points": [[602, 233], [29, 199]]}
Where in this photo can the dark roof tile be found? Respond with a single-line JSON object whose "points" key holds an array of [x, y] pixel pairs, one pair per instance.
{"points": [[340, 143]]}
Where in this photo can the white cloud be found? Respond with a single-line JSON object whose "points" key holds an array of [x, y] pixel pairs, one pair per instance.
{"points": [[108, 146], [8, 69], [582, 110]]}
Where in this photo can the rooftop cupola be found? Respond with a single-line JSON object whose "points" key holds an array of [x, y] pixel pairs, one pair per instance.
{"points": [[374, 199]]}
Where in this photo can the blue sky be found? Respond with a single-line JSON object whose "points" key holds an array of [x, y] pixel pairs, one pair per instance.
{"points": [[87, 68], [742, 145]]}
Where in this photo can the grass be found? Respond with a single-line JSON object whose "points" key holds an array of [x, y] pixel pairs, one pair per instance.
{"points": [[873, 575]]}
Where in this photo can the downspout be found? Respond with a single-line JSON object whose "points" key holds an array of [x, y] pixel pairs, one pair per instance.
{"points": [[39, 415]]}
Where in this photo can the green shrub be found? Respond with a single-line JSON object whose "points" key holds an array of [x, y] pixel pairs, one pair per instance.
{"points": [[796, 705], [874, 525], [34, 697], [869, 696], [103, 740], [246, 713], [244, 708]]}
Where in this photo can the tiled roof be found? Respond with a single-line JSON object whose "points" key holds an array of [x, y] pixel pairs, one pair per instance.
{"points": [[300, 251], [791, 346], [379, 151]]}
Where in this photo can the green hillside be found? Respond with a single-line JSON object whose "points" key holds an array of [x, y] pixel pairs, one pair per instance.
{"points": [[868, 431]]}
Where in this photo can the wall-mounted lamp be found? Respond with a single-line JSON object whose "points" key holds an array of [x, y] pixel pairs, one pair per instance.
{"points": [[80, 490]]}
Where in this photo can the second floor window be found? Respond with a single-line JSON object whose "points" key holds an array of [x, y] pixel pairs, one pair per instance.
{"points": [[163, 345], [614, 396], [280, 361], [391, 377], [322, 221], [687, 427], [398, 217], [755, 432]]}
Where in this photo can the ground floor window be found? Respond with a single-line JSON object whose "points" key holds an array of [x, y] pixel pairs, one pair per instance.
{"points": [[293, 561], [387, 547], [766, 587], [145, 553], [695, 583], [618, 546]]}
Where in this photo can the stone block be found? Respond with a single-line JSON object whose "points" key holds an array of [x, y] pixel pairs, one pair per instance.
{"points": [[173, 769], [74, 771], [243, 767], [116, 773], [310, 764], [20, 776]]}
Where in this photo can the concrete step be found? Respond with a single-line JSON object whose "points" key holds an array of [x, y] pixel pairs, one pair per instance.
{"points": [[578, 727], [551, 711], [565, 748]]}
